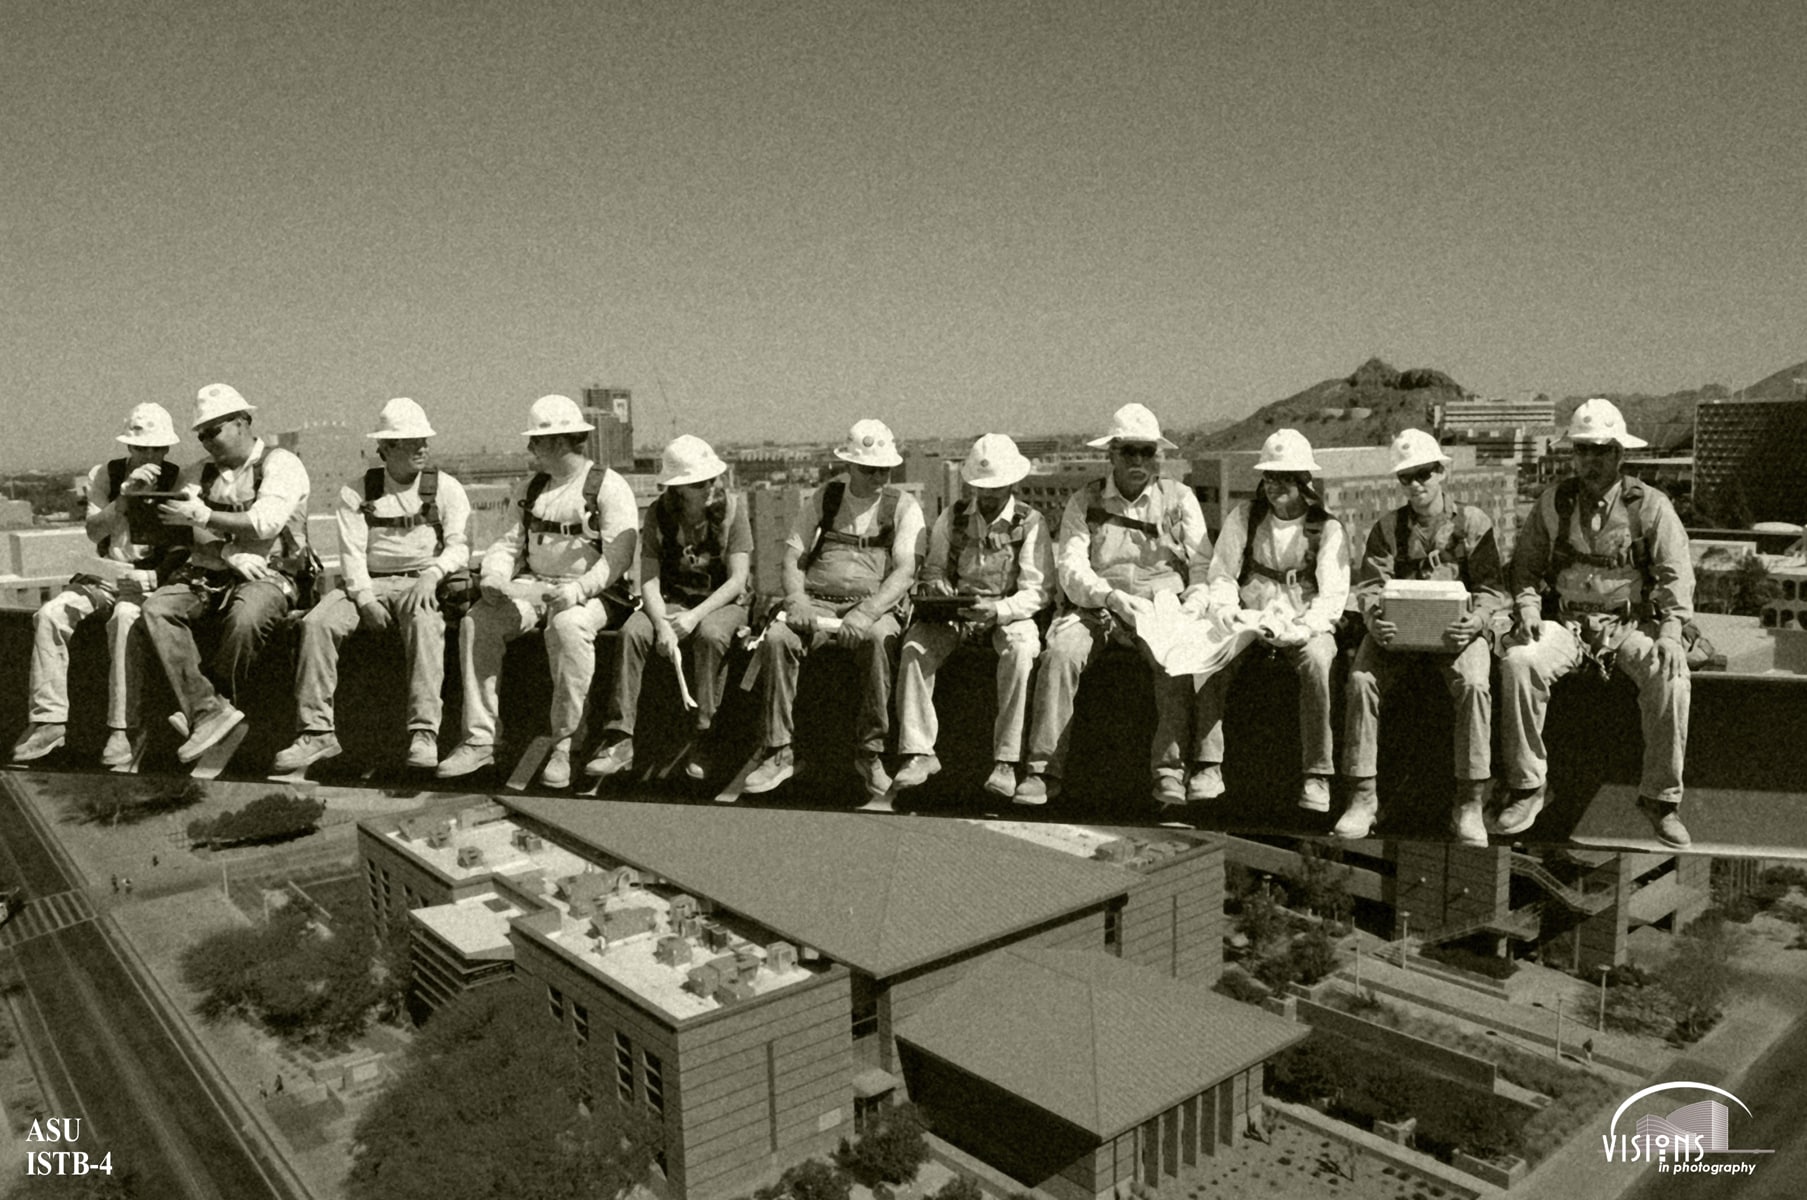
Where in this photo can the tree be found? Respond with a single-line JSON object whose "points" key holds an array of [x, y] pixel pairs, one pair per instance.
{"points": [[1323, 884], [960, 1187], [302, 985], [1697, 975], [487, 1104], [891, 1148], [813, 1179]]}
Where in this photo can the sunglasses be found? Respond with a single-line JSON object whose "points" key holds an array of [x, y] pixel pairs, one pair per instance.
{"points": [[212, 431], [1138, 451], [1421, 475], [1595, 449], [863, 469]]}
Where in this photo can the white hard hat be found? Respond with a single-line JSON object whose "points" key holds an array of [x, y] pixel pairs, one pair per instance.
{"points": [[1287, 450], [149, 425], [1133, 423], [218, 400], [1600, 420], [870, 444], [994, 461], [402, 418], [1416, 448], [556, 414], [689, 459]]}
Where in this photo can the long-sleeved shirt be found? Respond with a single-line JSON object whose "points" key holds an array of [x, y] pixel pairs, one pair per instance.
{"points": [[1481, 570], [1281, 545], [1091, 565], [390, 550], [986, 559], [1604, 528], [576, 556], [280, 500]]}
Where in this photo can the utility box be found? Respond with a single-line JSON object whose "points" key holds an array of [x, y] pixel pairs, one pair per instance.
{"points": [[1422, 609]]}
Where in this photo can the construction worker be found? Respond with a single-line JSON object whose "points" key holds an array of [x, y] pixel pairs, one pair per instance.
{"points": [[848, 563], [401, 534], [696, 552], [124, 529], [566, 564], [247, 506], [1431, 536], [1601, 574], [1284, 560], [1123, 539], [993, 551]]}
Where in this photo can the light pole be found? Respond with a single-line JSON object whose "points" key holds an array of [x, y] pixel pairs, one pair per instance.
{"points": [[1405, 936], [1541, 1004], [1605, 970]]}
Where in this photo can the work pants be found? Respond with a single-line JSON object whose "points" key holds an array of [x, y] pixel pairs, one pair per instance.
{"points": [[929, 644], [421, 628], [1312, 661], [484, 634], [246, 614], [781, 656], [1527, 673], [709, 643], [51, 628], [1073, 643], [1466, 675]]}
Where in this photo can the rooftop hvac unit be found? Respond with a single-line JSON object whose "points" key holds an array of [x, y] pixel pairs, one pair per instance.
{"points": [[715, 937], [525, 841], [733, 992], [683, 906], [781, 957], [703, 979], [691, 927], [747, 960], [672, 951], [439, 837], [1116, 850], [470, 856]]}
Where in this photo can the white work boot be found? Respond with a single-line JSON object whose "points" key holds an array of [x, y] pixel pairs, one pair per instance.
{"points": [[1467, 820], [1357, 820]]}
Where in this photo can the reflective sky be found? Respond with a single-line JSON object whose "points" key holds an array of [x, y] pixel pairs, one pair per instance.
{"points": [[769, 219]]}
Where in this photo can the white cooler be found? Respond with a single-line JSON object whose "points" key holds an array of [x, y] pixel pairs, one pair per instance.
{"points": [[1423, 609]]}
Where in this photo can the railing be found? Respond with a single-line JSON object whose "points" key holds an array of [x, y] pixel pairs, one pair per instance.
{"points": [[1577, 899]]}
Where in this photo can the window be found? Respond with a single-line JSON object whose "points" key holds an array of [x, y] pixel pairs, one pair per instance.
{"points": [[865, 1007], [655, 1081], [580, 1016], [624, 1068], [1113, 930], [555, 1001]]}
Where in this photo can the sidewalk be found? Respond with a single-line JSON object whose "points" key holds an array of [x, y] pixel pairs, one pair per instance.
{"points": [[1520, 1020]]}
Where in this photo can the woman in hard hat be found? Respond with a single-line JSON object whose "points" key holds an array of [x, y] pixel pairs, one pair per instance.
{"points": [[1283, 559], [696, 554]]}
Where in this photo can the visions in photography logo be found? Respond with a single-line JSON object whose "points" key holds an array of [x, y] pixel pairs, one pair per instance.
{"points": [[1680, 1142]]}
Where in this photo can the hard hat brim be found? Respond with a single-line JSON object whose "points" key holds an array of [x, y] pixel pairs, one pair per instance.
{"points": [[1422, 460], [694, 475], [889, 459], [1309, 466], [997, 478], [1111, 439], [1625, 441], [396, 435], [568, 427], [148, 439]]}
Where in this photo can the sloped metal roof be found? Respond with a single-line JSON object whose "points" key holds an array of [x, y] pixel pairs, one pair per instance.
{"points": [[879, 893], [1098, 1042]]}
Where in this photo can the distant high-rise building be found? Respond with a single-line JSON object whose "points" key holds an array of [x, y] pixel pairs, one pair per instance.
{"points": [[610, 409]]}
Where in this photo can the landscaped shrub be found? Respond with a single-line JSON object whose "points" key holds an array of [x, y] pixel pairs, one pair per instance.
{"points": [[960, 1187], [890, 1149], [269, 818], [813, 1179], [1238, 986], [1462, 958]]}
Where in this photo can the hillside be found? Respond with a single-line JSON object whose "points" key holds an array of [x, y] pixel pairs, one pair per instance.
{"points": [[1366, 408], [1370, 406]]}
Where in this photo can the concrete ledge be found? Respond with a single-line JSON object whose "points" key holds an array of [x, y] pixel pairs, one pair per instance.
{"points": [[1423, 1166]]}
